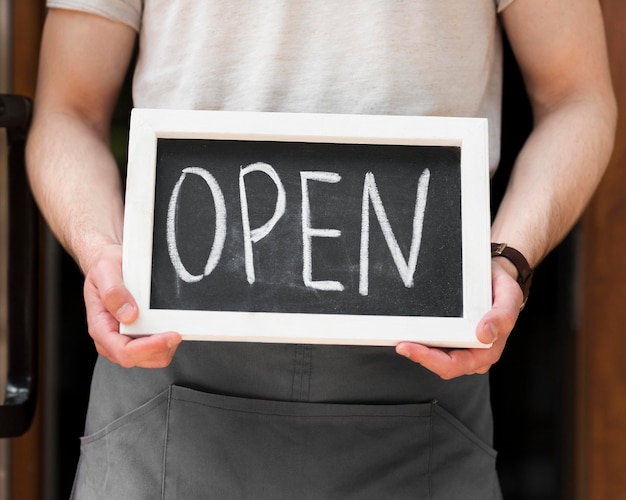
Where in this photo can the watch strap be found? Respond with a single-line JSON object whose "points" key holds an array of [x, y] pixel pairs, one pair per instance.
{"points": [[524, 271]]}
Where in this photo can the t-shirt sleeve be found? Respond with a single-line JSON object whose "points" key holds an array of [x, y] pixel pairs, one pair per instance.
{"points": [[124, 11], [503, 4]]}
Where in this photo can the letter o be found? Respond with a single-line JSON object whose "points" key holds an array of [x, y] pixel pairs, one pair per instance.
{"points": [[220, 226]]}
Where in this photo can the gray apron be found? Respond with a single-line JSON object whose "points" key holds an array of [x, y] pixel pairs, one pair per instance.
{"points": [[280, 421]]}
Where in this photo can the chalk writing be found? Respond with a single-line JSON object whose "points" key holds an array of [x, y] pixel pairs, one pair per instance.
{"points": [[309, 232], [220, 226], [406, 268], [315, 228], [253, 235]]}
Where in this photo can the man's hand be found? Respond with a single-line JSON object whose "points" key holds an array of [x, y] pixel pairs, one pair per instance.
{"points": [[108, 304], [494, 327]]}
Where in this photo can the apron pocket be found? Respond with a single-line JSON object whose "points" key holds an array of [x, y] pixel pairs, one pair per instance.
{"points": [[125, 459], [463, 466], [224, 448], [188, 445]]}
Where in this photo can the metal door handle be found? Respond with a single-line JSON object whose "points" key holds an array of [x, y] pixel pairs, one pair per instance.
{"points": [[17, 412]]}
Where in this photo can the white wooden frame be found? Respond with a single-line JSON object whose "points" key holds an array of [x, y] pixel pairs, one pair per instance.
{"points": [[470, 134]]}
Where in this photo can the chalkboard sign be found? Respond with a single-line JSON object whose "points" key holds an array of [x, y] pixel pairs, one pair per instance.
{"points": [[341, 229]]}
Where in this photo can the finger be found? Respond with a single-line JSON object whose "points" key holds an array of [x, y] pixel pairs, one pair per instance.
{"points": [[121, 304], [445, 363], [507, 298], [108, 302], [449, 364], [150, 351], [106, 281], [117, 299]]}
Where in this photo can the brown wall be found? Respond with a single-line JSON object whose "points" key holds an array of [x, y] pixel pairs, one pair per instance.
{"points": [[601, 404], [26, 451]]}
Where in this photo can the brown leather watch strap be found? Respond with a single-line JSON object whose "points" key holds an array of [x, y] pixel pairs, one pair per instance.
{"points": [[524, 272]]}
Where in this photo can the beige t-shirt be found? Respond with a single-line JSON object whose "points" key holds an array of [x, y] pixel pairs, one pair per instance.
{"points": [[420, 57]]}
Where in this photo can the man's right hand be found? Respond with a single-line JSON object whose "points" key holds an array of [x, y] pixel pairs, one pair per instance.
{"points": [[109, 303]]}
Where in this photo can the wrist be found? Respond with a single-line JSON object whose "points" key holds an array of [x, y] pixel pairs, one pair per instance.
{"points": [[518, 263], [90, 254]]}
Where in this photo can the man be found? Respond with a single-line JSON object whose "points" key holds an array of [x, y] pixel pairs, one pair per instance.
{"points": [[219, 420]]}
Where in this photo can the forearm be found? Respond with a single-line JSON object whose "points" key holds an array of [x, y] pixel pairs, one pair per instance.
{"points": [[555, 175], [76, 183], [73, 175], [561, 51]]}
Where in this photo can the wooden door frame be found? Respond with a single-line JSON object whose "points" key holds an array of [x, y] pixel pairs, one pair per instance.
{"points": [[601, 346], [27, 451]]}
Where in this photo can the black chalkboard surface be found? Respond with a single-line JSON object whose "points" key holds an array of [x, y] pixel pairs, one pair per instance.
{"points": [[238, 231]]}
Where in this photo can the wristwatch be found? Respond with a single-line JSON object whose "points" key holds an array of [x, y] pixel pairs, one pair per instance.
{"points": [[524, 272]]}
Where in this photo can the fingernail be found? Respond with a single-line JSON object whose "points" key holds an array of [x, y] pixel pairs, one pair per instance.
{"points": [[492, 333], [403, 352], [171, 344], [125, 313]]}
